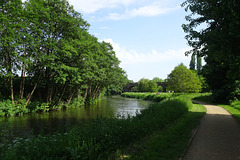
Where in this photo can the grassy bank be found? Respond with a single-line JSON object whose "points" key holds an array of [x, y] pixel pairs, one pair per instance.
{"points": [[149, 96], [161, 131], [162, 96], [172, 141], [97, 139]]}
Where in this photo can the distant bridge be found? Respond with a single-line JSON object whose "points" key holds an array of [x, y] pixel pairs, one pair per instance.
{"points": [[129, 86]]}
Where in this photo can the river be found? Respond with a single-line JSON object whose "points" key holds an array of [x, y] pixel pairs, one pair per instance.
{"points": [[110, 106]]}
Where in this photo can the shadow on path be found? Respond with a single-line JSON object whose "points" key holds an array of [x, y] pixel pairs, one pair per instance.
{"points": [[217, 138]]}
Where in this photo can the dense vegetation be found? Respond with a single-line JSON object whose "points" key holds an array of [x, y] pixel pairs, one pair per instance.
{"points": [[183, 80], [146, 85], [213, 33], [149, 96], [47, 57], [110, 138]]}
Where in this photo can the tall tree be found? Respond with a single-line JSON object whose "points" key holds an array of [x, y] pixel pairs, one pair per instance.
{"points": [[10, 39], [218, 42], [193, 62], [199, 64], [183, 80]]}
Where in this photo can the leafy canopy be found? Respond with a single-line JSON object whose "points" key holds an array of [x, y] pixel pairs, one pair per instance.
{"points": [[183, 80], [218, 42]]}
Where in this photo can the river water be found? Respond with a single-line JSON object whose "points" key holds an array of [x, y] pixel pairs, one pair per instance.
{"points": [[111, 106]]}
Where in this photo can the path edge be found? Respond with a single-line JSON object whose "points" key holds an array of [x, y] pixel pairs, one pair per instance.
{"points": [[194, 132]]}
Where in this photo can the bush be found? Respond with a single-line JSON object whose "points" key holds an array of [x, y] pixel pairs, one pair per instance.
{"points": [[77, 102], [9, 109], [236, 104]]}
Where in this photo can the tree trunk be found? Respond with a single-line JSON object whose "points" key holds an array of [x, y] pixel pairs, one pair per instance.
{"points": [[85, 95], [55, 93], [63, 91], [95, 92], [50, 92], [10, 79], [34, 88], [70, 97], [22, 83], [11, 88]]}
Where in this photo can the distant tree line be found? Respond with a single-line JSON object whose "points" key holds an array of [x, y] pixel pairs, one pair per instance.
{"points": [[47, 54], [146, 85]]}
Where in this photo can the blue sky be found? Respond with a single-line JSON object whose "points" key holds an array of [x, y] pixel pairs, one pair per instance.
{"points": [[146, 34]]}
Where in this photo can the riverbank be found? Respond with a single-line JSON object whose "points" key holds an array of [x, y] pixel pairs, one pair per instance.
{"points": [[172, 141], [98, 139]]}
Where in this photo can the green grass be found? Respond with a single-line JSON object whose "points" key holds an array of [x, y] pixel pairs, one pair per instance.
{"points": [[148, 96], [232, 108], [161, 96], [169, 143], [98, 139], [235, 112]]}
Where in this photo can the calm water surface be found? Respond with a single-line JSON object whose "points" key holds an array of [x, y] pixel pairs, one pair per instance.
{"points": [[112, 106]]}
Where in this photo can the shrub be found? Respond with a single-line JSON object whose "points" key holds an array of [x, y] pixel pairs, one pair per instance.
{"points": [[236, 104], [77, 102], [9, 109]]}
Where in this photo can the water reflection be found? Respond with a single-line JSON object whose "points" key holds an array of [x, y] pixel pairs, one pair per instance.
{"points": [[48, 122]]}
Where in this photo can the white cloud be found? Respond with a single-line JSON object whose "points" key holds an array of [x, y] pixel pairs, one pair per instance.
{"points": [[149, 65], [126, 8], [91, 6], [145, 11], [132, 57]]}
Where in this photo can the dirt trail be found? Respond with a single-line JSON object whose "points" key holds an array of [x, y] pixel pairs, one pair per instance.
{"points": [[217, 138]]}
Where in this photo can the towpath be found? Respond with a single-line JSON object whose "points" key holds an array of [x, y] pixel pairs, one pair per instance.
{"points": [[217, 138]]}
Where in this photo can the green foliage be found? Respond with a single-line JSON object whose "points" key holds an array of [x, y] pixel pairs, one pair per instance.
{"points": [[37, 106], [143, 85], [97, 139], [77, 102], [148, 96], [218, 42], [156, 79], [9, 109], [146, 85], [152, 86], [160, 88], [235, 104], [48, 43], [183, 80]]}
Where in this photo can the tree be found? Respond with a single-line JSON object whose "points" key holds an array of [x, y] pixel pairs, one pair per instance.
{"points": [[183, 80], [218, 42], [146, 85], [11, 13], [48, 43], [156, 79], [143, 85], [192, 62], [199, 64], [152, 86]]}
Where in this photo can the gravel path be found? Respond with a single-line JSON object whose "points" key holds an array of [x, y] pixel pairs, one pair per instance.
{"points": [[217, 138]]}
